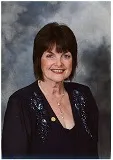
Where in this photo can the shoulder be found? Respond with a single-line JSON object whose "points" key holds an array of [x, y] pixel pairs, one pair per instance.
{"points": [[83, 90], [24, 92], [80, 87]]}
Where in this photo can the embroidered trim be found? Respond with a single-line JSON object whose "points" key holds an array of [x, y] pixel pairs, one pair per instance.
{"points": [[41, 113], [41, 116], [80, 103]]}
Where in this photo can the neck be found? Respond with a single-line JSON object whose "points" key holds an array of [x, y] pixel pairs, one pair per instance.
{"points": [[54, 88]]}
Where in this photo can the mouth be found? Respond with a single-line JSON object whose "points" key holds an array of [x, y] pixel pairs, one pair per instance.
{"points": [[58, 71]]}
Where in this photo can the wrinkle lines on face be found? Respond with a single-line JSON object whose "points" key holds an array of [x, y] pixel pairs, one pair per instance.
{"points": [[56, 66]]}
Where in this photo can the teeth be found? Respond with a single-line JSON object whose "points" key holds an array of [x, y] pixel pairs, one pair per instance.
{"points": [[57, 70]]}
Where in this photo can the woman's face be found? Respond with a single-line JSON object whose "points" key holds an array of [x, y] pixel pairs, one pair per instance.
{"points": [[56, 66]]}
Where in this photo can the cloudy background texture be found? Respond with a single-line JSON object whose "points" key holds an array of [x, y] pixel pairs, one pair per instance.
{"points": [[90, 21]]}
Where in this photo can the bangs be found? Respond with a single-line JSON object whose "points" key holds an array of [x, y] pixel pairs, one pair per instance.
{"points": [[61, 46]]}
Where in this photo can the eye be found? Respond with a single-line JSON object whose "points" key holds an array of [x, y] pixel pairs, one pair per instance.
{"points": [[50, 55], [67, 56]]}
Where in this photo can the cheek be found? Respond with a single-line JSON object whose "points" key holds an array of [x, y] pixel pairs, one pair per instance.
{"points": [[45, 64], [69, 65]]}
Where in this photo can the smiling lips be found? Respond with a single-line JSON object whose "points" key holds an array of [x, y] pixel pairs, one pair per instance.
{"points": [[58, 71]]}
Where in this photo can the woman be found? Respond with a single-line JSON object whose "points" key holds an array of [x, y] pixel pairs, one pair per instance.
{"points": [[52, 118]]}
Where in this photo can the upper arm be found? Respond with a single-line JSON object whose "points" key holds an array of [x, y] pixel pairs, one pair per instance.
{"points": [[92, 120], [14, 137], [92, 114]]}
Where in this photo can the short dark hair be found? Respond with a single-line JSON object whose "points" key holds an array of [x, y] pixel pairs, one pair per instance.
{"points": [[50, 35]]}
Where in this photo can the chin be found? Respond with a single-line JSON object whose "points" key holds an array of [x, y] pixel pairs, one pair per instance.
{"points": [[58, 79]]}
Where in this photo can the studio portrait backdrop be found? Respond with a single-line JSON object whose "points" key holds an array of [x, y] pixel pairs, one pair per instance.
{"points": [[90, 22]]}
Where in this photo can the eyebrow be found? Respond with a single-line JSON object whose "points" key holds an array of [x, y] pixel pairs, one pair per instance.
{"points": [[54, 53], [51, 52]]}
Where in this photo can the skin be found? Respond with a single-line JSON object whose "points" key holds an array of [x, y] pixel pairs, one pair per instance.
{"points": [[56, 67]]}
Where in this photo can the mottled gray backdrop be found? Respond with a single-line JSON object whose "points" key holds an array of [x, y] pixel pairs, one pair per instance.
{"points": [[90, 21]]}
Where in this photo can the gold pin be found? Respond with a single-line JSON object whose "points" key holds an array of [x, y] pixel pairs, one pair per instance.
{"points": [[53, 119]]}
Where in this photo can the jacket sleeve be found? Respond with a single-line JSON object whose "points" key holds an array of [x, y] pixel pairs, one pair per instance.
{"points": [[92, 118], [14, 137]]}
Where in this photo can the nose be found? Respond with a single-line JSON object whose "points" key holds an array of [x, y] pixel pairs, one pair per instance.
{"points": [[59, 62]]}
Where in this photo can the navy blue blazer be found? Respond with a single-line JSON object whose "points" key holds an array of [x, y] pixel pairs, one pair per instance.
{"points": [[28, 126]]}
